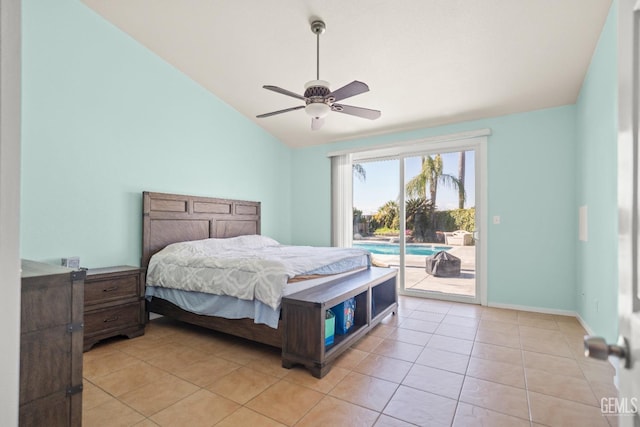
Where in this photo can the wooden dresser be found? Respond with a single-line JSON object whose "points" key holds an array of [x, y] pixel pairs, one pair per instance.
{"points": [[51, 345], [113, 304]]}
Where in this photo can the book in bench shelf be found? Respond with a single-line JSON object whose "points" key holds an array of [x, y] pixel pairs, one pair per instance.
{"points": [[344, 312], [329, 328]]}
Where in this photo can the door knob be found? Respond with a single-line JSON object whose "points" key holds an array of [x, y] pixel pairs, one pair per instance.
{"points": [[597, 348]]}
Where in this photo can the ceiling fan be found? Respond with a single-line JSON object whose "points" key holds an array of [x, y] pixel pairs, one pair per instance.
{"points": [[319, 99]]}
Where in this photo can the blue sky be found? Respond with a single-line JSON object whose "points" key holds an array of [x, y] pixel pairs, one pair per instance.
{"points": [[381, 184]]}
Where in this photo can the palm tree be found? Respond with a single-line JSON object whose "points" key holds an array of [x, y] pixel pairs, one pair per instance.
{"points": [[418, 211], [461, 171], [387, 214], [413, 209], [358, 170], [429, 177]]}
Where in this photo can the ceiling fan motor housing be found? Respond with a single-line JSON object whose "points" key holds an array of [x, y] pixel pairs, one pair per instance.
{"points": [[316, 91]]}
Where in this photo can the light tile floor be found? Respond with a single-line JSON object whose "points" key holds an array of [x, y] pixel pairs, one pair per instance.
{"points": [[434, 363]]}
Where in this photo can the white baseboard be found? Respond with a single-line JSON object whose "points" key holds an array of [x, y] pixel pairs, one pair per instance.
{"points": [[584, 325], [535, 309]]}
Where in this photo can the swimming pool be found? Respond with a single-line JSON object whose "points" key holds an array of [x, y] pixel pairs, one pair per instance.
{"points": [[394, 248]]}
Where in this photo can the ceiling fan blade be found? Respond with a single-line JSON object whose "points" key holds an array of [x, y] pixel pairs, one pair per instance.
{"points": [[273, 113], [284, 92], [352, 89], [365, 113], [316, 123]]}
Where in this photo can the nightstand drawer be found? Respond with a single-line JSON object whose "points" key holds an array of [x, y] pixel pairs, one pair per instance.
{"points": [[104, 290], [114, 318]]}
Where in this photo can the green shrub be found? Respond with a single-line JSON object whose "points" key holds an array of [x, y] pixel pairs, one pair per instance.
{"points": [[385, 231], [387, 215], [456, 219], [465, 219], [422, 220]]}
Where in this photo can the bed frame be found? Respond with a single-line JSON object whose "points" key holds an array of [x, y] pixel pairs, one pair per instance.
{"points": [[172, 218]]}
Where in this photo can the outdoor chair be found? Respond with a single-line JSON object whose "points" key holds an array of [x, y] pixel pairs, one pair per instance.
{"points": [[458, 238]]}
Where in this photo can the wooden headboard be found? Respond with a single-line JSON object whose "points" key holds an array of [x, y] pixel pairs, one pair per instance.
{"points": [[172, 218]]}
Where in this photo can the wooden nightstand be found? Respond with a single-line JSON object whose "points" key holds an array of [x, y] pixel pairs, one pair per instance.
{"points": [[113, 304]]}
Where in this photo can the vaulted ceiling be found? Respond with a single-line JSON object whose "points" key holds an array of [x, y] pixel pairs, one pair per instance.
{"points": [[427, 62]]}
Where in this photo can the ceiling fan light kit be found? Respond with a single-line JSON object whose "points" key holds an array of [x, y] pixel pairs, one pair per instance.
{"points": [[318, 110], [319, 99]]}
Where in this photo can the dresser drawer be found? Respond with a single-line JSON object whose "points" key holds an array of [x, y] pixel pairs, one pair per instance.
{"points": [[44, 307], [105, 290], [114, 318], [47, 349]]}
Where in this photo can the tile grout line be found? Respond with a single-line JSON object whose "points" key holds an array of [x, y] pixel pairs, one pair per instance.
{"points": [[526, 383], [464, 379]]}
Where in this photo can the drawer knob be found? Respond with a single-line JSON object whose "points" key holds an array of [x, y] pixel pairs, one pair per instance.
{"points": [[111, 319], [112, 288]]}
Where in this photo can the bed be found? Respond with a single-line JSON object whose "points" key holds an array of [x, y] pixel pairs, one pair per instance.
{"points": [[169, 219], [299, 327]]}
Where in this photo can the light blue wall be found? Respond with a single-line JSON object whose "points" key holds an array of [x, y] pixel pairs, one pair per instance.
{"points": [[105, 119], [597, 121], [531, 162]]}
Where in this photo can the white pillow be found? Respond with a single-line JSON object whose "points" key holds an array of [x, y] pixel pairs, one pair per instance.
{"points": [[253, 241]]}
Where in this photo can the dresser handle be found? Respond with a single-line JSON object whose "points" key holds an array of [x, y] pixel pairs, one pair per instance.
{"points": [[113, 288], [111, 319]]}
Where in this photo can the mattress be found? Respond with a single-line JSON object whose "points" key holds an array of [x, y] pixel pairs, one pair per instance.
{"points": [[249, 268], [231, 307]]}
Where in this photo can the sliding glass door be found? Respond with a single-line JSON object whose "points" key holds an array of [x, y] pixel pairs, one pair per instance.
{"points": [[416, 212], [440, 255], [376, 214]]}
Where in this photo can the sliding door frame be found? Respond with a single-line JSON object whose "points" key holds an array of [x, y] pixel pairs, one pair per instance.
{"points": [[465, 141]]}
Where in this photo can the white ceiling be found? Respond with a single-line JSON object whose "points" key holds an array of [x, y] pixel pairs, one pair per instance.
{"points": [[427, 62]]}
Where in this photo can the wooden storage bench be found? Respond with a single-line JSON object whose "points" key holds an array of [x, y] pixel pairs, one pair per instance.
{"points": [[303, 313]]}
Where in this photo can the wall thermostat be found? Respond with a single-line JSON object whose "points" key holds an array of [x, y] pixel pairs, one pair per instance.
{"points": [[71, 262]]}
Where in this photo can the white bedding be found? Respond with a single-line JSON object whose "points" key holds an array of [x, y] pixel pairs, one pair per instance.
{"points": [[246, 267]]}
